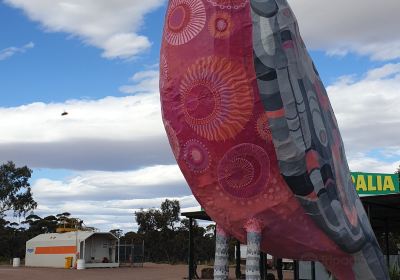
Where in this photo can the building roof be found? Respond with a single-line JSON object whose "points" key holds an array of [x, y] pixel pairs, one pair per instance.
{"points": [[67, 236], [198, 215]]}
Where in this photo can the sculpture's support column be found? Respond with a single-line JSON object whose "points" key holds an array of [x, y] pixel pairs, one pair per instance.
{"points": [[253, 229], [221, 265]]}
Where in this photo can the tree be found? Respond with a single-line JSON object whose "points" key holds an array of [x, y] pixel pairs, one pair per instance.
{"points": [[132, 237], [398, 172], [15, 190], [117, 232], [154, 226], [148, 220], [166, 236], [37, 225], [170, 210], [159, 219]]}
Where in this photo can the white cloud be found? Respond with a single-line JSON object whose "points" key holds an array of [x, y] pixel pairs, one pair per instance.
{"points": [[365, 27], [122, 118], [143, 183], [112, 26], [125, 45], [365, 163], [368, 116], [107, 134], [386, 71], [109, 199], [146, 81], [11, 51], [113, 133]]}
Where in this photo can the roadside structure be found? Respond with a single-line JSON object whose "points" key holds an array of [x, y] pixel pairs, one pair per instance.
{"points": [[97, 249]]}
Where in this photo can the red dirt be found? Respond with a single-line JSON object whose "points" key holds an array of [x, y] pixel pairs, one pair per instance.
{"points": [[150, 271]]}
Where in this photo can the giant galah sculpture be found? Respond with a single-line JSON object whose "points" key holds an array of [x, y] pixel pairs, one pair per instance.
{"points": [[253, 131]]}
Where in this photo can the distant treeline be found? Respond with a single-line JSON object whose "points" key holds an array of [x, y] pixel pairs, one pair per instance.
{"points": [[13, 236], [165, 235]]}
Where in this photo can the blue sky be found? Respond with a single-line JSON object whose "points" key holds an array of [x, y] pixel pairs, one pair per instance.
{"points": [[66, 67], [109, 156]]}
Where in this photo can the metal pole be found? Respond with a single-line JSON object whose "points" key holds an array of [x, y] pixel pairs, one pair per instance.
{"points": [[262, 266], [387, 242], [296, 270], [238, 273], [313, 270], [84, 248], [132, 253], [369, 212], [91, 248], [119, 248], [143, 254], [190, 249], [77, 249], [279, 268]]}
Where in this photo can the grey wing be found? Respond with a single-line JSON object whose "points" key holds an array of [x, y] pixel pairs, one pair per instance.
{"points": [[305, 134]]}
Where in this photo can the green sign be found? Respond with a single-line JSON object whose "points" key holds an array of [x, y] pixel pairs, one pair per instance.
{"points": [[373, 183]]}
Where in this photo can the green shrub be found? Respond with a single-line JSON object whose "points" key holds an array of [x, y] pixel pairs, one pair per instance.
{"points": [[394, 273]]}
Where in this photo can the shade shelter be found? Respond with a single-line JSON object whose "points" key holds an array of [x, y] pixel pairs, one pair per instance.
{"points": [[98, 249], [384, 214]]}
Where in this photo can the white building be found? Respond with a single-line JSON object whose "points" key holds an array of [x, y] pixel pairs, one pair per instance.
{"points": [[50, 249]]}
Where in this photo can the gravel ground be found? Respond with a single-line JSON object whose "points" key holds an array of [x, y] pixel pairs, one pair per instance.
{"points": [[148, 272]]}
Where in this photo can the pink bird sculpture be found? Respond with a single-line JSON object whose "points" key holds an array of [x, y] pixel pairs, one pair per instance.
{"points": [[253, 131]]}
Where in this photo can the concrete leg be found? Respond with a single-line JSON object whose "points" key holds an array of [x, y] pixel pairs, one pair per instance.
{"points": [[253, 251], [221, 265]]}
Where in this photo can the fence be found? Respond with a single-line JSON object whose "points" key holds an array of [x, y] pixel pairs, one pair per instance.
{"points": [[131, 254]]}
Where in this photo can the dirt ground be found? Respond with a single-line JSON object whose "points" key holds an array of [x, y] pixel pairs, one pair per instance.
{"points": [[148, 272]]}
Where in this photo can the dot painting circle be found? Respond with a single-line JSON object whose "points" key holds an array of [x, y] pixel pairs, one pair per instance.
{"points": [[185, 20], [201, 102], [245, 176], [216, 98], [196, 156], [244, 171], [229, 4], [220, 25]]}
